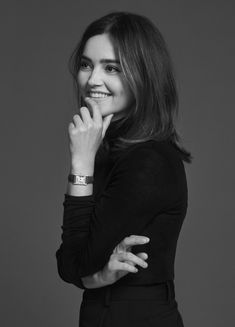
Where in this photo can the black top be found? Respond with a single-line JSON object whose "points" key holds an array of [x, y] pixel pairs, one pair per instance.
{"points": [[140, 191]]}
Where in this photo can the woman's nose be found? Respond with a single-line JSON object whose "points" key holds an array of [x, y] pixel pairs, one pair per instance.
{"points": [[94, 78]]}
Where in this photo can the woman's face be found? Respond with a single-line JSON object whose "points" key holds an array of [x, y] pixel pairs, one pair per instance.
{"points": [[101, 78]]}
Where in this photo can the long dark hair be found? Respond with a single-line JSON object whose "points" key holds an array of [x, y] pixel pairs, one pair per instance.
{"points": [[148, 69]]}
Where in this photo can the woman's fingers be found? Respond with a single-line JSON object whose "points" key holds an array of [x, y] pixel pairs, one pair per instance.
{"points": [[77, 121], [86, 117], [97, 117], [133, 240], [142, 255], [122, 261], [129, 256], [115, 266], [129, 241], [127, 267]]}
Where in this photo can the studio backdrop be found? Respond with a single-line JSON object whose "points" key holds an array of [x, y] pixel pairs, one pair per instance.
{"points": [[37, 103]]}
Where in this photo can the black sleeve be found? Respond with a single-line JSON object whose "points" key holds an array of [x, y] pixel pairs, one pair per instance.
{"points": [[137, 191]]}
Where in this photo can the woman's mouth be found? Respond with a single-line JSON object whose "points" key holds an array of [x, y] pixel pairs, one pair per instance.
{"points": [[98, 95]]}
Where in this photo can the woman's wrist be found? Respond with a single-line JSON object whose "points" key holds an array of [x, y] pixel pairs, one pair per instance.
{"points": [[94, 281], [82, 166]]}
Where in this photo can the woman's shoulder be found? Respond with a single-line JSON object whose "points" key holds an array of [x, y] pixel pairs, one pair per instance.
{"points": [[151, 164], [148, 155], [149, 150]]}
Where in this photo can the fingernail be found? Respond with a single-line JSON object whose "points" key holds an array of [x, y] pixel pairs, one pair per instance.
{"points": [[146, 239]]}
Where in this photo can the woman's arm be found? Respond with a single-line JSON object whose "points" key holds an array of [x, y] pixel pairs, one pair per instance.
{"points": [[138, 190], [82, 167], [121, 262], [93, 281]]}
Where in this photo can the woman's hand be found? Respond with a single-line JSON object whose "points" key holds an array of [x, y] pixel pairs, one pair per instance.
{"points": [[86, 132], [122, 261]]}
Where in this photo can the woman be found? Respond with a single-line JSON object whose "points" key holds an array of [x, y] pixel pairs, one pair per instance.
{"points": [[131, 204]]}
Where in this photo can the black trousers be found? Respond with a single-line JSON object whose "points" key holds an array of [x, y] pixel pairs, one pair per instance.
{"points": [[130, 306]]}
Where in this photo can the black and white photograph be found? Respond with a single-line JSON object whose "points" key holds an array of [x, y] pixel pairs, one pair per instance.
{"points": [[117, 164]]}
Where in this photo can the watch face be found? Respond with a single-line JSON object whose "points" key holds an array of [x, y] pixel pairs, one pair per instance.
{"points": [[80, 180]]}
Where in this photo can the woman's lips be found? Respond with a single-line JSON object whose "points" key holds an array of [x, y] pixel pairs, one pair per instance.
{"points": [[99, 99]]}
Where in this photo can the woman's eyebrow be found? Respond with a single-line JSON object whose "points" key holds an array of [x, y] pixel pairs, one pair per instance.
{"points": [[105, 61]]}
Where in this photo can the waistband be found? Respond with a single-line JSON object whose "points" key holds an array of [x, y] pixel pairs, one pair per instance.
{"points": [[161, 292]]}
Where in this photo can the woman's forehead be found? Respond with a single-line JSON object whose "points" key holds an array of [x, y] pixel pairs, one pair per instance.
{"points": [[100, 47]]}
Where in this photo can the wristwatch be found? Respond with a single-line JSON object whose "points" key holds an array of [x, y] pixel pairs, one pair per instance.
{"points": [[80, 179]]}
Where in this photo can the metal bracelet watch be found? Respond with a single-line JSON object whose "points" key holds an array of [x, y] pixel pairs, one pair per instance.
{"points": [[80, 179]]}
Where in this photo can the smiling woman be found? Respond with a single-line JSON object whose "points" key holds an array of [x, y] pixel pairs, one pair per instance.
{"points": [[126, 197]]}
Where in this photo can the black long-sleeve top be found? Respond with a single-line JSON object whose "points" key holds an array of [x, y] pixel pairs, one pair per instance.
{"points": [[141, 191]]}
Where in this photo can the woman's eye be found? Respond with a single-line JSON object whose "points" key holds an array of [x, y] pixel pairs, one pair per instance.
{"points": [[84, 65], [112, 69]]}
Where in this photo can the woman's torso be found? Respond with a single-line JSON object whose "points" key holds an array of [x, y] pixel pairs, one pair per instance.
{"points": [[164, 228]]}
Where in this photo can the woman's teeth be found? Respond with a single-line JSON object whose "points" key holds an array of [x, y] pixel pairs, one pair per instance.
{"points": [[98, 95]]}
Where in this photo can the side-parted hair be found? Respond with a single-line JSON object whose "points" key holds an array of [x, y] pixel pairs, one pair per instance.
{"points": [[148, 69]]}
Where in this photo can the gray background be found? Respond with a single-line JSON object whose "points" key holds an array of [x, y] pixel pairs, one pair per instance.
{"points": [[37, 104]]}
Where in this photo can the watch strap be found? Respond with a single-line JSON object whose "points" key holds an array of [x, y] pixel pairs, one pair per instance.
{"points": [[80, 179]]}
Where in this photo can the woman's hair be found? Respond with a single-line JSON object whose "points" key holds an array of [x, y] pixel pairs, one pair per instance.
{"points": [[148, 69]]}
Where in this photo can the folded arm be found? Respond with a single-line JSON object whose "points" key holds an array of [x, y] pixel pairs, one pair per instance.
{"points": [[135, 194]]}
